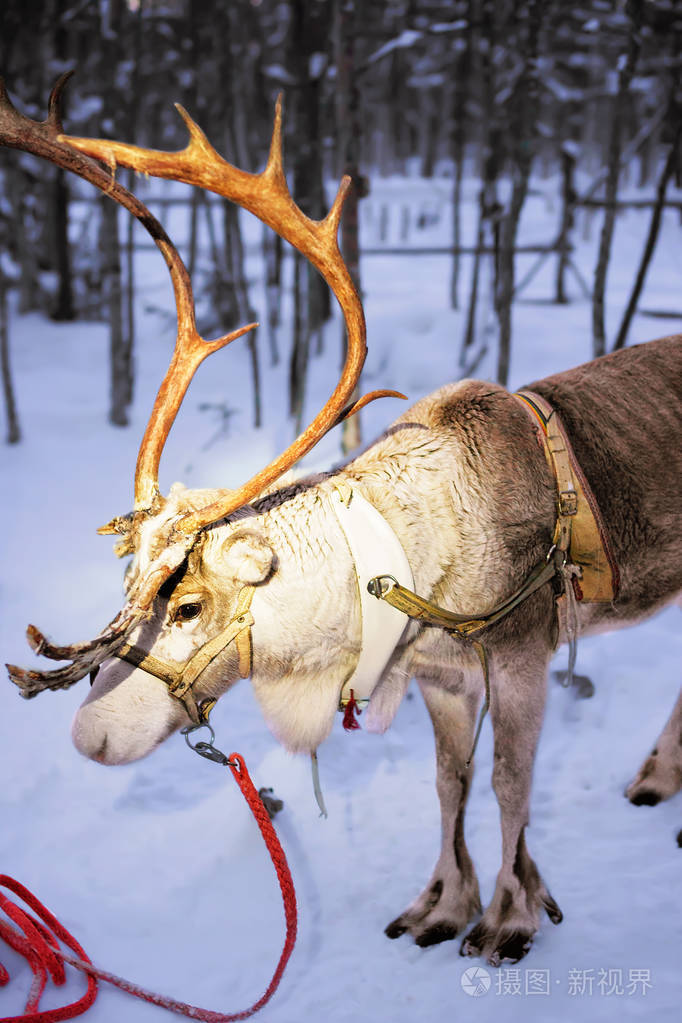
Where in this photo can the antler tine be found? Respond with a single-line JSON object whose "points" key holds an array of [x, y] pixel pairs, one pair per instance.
{"points": [[267, 196], [190, 351]]}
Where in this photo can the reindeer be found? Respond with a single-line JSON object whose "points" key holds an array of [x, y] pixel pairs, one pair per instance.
{"points": [[336, 589]]}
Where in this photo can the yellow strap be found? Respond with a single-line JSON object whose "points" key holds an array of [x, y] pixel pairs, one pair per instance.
{"points": [[169, 673], [560, 461], [386, 588], [209, 651], [580, 531], [181, 677]]}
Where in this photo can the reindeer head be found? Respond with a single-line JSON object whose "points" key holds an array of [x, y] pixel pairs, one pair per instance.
{"points": [[189, 626]]}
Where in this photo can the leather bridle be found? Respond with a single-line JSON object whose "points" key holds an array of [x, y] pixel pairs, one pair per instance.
{"points": [[181, 677]]}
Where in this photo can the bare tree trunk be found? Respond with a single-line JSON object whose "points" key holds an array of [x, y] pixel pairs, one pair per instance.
{"points": [[568, 195], [488, 207], [459, 121], [523, 143], [58, 215], [307, 44], [110, 250], [64, 307], [468, 337], [13, 429], [456, 227], [234, 259], [634, 10], [24, 227], [298, 364], [110, 246], [432, 100], [128, 340], [348, 134], [668, 170], [504, 291], [272, 254]]}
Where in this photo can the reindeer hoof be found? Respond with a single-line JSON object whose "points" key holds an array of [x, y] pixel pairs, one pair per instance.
{"points": [[502, 948], [440, 913], [396, 928], [644, 797], [473, 943], [435, 934], [512, 949], [432, 935]]}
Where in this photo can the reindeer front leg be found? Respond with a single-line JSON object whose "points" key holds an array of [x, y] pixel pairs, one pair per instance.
{"points": [[518, 688], [451, 897]]}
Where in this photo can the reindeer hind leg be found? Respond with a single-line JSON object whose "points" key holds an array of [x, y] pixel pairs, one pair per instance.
{"points": [[506, 929]]}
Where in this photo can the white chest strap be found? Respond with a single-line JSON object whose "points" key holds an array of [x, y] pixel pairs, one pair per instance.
{"points": [[375, 550]]}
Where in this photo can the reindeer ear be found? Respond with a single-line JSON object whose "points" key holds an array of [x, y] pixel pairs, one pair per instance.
{"points": [[248, 557]]}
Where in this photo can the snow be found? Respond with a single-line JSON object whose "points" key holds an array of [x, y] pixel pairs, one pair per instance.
{"points": [[157, 867]]}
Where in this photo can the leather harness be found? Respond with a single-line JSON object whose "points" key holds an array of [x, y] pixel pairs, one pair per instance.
{"points": [[180, 678], [580, 555], [580, 551]]}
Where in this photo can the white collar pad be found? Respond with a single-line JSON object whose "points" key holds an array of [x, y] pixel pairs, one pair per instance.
{"points": [[375, 550]]}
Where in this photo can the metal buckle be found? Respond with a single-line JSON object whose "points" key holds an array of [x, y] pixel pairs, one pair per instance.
{"points": [[568, 502]]}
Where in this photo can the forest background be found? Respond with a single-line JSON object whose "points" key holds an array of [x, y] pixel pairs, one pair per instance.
{"points": [[506, 93]]}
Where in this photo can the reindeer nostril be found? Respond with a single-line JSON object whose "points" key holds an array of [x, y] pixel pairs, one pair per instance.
{"points": [[99, 755]]}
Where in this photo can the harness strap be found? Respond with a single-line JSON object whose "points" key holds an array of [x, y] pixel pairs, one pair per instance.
{"points": [[181, 677], [556, 447], [580, 529], [172, 676], [385, 587]]}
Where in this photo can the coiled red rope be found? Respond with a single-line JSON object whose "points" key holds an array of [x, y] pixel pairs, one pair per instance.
{"points": [[37, 938]]}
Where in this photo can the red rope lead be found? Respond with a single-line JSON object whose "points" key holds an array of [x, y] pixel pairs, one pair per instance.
{"points": [[36, 938]]}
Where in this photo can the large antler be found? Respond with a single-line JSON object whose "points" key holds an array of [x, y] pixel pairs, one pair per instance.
{"points": [[42, 138], [268, 197]]}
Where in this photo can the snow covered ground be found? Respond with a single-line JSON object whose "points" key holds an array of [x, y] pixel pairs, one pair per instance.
{"points": [[158, 868]]}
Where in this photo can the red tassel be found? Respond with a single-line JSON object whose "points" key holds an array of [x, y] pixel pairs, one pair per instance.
{"points": [[350, 723], [577, 588]]}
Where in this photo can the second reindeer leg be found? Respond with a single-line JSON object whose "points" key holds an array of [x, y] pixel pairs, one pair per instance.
{"points": [[518, 688]]}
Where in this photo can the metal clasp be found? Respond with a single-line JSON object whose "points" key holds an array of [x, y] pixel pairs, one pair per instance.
{"points": [[560, 556], [380, 585], [206, 749]]}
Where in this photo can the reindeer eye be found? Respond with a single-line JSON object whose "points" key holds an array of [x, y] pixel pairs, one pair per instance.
{"points": [[186, 612]]}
